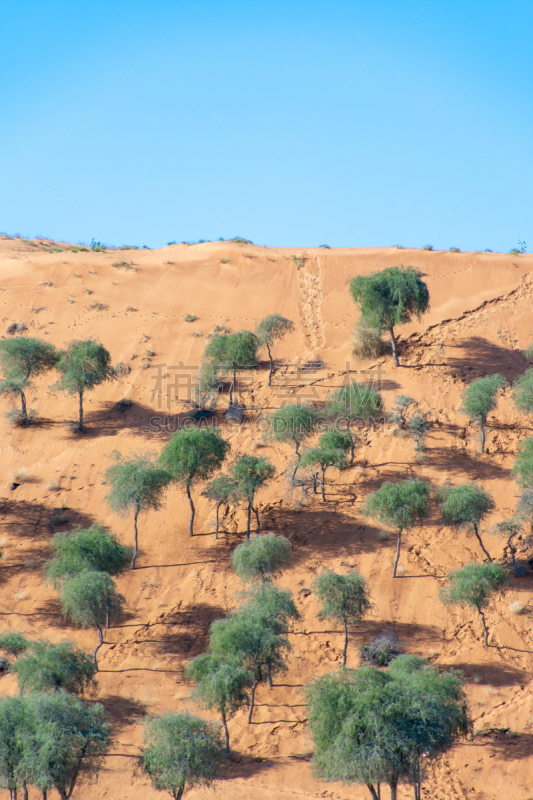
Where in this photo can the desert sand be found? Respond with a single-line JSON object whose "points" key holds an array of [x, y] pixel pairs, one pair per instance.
{"points": [[479, 321]]}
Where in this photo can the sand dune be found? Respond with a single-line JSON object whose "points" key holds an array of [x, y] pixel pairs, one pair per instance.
{"points": [[134, 302]]}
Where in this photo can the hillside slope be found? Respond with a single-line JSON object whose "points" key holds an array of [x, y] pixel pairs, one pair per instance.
{"points": [[135, 302]]}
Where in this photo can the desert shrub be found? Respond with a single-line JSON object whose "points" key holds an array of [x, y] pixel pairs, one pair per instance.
{"points": [[90, 598], [381, 650], [372, 726], [261, 557], [13, 642], [367, 341], [353, 403], [93, 548]]}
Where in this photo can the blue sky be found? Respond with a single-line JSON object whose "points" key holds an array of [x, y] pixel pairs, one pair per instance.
{"points": [[292, 123]]}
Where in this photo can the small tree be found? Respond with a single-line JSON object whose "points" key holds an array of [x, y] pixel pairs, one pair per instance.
{"points": [[275, 609], [399, 505], [353, 403], [510, 529], [255, 636], [222, 490], [21, 360], [400, 412], [192, 456], [13, 723], [372, 726], [269, 330], [13, 642], [523, 392], [220, 686], [343, 597], [250, 473], [474, 585], [465, 506], [232, 351], [69, 738], [261, 557], [90, 598], [93, 548], [136, 485], [82, 366], [331, 452], [181, 751], [479, 399], [392, 296], [46, 665], [293, 424], [523, 466]]}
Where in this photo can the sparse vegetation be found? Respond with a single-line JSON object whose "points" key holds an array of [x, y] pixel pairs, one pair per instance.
{"points": [[373, 726], [190, 317], [232, 352], [45, 666], [523, 466], [93, 548], [354, 403], [223, 490]]}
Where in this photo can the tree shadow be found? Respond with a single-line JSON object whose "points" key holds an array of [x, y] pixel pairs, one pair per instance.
{"points": [[451, 460], [244, 766], [412, 636], [323, 528], [31, 523], [490, 674], [110, 419], [192, 637], [123, 712], [483, 356], [507, 744]]}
